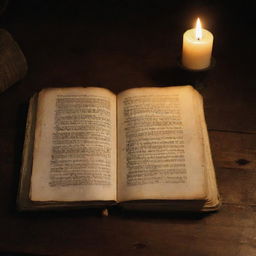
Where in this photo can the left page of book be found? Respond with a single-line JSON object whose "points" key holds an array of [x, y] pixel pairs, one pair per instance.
{"points": [[74, 156]]}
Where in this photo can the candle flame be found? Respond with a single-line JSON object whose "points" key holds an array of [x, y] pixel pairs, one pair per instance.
{"points": [[198, 29]]}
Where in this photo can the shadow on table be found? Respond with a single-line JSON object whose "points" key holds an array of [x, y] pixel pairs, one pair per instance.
{"points": [[174, 215], [114, 212], [173, 76]]}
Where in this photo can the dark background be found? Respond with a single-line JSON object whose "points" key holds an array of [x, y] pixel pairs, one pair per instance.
{"points": [[119, 44]]}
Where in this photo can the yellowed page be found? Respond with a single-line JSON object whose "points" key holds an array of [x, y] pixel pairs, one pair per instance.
{"points": [[213, 199], [74, 155], [160, 150]]}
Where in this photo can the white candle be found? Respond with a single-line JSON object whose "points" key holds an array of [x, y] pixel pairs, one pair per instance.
{"points": [[197, 48]]}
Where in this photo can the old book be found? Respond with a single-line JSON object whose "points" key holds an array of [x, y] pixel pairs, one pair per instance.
{"points": [[145, 148], [13, 64]]}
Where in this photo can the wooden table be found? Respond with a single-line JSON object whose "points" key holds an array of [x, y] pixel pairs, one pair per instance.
{"points": [[119, 45]]}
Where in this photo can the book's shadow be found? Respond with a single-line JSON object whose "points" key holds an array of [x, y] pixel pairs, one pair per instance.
{"points": [[170, 215], [115, 213]]}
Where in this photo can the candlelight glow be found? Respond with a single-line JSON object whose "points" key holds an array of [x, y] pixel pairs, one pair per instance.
{"points": [[198, 29]]}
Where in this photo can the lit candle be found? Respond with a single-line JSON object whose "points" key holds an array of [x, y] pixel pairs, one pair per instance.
{"points": [[197, 48]]}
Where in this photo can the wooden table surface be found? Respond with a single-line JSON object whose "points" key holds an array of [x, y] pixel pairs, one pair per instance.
{"points": [[119, 44]]}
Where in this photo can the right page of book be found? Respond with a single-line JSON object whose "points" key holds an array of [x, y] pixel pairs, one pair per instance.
{"points": [[160, 145]]}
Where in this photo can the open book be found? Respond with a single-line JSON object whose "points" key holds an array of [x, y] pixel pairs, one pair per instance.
{"points": [[145, 148]]}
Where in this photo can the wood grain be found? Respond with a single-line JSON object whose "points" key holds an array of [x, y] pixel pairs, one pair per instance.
{"points": [[235, 150]]}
